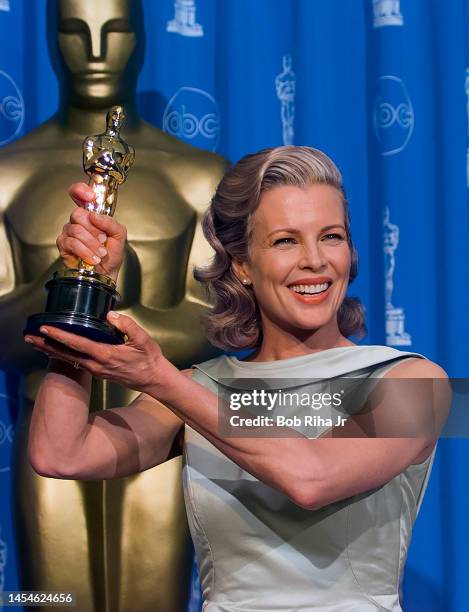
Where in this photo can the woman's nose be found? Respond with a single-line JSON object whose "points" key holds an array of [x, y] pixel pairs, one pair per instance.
{"points": [[312, 257]]}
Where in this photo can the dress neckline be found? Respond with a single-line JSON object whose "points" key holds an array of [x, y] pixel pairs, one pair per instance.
{"points": [[289, 360]]}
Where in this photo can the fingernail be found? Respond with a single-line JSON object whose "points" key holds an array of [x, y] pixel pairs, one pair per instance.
{"points": [[28, 340], [96, 259], [102, 251], [102, 238], [44, 330], [113, 314], [90, 194]]}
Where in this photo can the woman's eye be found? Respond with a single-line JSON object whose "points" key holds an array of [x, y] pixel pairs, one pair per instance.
{"points": [[285, 241], [334, 237]]}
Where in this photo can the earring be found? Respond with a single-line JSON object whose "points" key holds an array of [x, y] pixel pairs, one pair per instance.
{"points": [[245, 281]]}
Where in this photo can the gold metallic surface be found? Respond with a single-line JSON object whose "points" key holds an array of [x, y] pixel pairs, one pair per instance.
{"points": [[107, 159], [88, 275], [122, 545]]}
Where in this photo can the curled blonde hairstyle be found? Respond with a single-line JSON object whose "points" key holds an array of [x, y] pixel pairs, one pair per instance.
{"points": [[234, 321]]}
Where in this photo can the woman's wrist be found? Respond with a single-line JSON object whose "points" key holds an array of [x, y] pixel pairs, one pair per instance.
{"points": [[163, 380], [79, 375]]}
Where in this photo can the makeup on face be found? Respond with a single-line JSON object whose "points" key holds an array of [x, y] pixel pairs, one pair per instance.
{"points": [[299, 258]]}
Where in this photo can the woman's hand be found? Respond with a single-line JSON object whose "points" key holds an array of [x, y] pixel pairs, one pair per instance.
{"points": [[138, 364], [97, 239]]}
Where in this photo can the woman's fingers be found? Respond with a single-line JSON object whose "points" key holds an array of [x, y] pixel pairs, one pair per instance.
{"points": [[91, 237], [55, 350], [77, 241], [87, 348], [96, 224], [81, 194], [97, 229], [108, 226], [135, 334], [99, 351], [131, 364]]}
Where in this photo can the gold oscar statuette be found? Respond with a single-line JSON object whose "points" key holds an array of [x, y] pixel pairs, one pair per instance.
{"points": [[78, 299]]}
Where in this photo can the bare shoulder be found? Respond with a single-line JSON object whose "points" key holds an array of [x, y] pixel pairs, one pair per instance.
{"points": [[416, 368], [429, 394]]}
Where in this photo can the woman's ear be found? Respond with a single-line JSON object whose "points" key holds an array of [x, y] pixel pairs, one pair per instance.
{"points": [[240, 270]]}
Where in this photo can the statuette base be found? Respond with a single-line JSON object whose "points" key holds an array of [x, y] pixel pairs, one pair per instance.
{"points": [[78, 302]]}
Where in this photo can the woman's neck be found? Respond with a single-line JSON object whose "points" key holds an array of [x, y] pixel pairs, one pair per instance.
{"points": [[280, 344]]}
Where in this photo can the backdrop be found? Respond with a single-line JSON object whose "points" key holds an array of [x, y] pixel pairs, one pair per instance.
{"points": [[383, 87]]}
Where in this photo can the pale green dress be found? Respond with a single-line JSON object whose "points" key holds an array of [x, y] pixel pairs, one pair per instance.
{"points": [[257, 550]]}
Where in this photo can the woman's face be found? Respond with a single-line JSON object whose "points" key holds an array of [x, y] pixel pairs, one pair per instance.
{"points": [[299, 258]]}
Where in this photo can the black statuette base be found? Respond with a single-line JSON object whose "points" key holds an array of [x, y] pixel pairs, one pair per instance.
{"points": [[75, 324], [79, 306]]}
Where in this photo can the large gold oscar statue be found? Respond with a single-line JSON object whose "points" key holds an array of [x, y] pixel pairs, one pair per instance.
{"points": [[120, 545]]}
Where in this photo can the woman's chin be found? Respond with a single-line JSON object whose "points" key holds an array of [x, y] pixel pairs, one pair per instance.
{"points": [[304, 325]]}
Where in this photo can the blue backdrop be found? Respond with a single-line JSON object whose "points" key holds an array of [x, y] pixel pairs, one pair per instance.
{"points": [[382, 86]]}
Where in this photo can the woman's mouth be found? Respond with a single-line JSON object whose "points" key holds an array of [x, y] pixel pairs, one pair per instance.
{"points": [[311, 294]]}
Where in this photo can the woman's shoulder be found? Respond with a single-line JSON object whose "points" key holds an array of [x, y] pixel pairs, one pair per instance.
{"points": [[407, 364], [390, 362], [416, 367], [426, 385]]}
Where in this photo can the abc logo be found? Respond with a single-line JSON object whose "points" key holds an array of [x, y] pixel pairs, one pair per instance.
{"points": [[192, 115], [393, 115], [11, 109]]}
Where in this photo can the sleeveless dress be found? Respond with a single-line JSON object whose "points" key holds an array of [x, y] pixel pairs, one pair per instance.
{"points": [[258, 551]]}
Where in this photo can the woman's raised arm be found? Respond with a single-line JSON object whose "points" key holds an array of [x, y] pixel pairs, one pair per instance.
{"points": [[67, 441]]}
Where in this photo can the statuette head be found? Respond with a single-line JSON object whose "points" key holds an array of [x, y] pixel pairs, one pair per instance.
{"points": [[115, 118], [97, 50]]}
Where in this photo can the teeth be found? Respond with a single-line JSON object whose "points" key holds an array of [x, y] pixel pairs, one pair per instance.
{"points": [[309, 288]]}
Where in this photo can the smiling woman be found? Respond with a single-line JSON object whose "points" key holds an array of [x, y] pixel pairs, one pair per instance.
{"points": [[278, 220], [281, 520]]}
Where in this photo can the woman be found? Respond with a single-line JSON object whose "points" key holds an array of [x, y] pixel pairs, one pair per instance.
{"points": [[279, 523]]}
